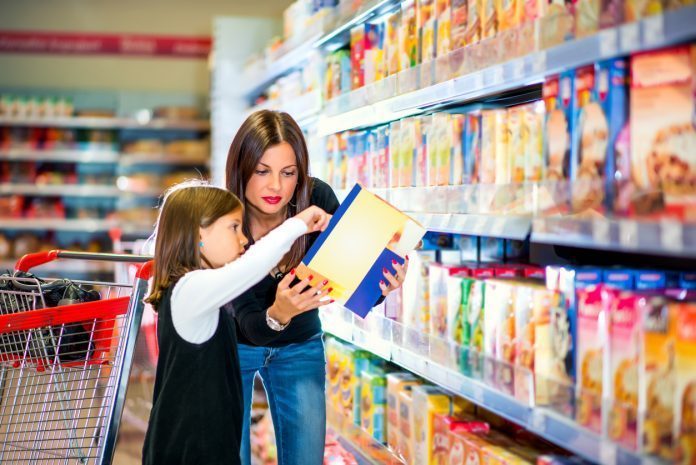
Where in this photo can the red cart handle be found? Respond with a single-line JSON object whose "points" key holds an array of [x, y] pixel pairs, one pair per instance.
{"points": [[32, 260]]}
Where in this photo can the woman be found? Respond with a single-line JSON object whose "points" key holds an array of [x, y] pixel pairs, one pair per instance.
{"points": [[268, 169]]}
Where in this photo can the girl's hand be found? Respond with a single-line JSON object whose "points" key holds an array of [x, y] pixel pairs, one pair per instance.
{"points": [[393, 281], [292, 301], [315, 218]]}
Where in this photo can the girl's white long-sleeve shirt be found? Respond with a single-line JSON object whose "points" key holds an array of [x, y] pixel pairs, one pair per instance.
{"points": [[198, 295]]}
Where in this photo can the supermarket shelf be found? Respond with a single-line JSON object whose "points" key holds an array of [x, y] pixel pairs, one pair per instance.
{"points": [[303, 109], [507, 227], [383, 341], [64, 266], [68, 156], [106, 123], [358, 110], [161, 159], [657, 237], [60, 190], [331, 35], [74, 225]]}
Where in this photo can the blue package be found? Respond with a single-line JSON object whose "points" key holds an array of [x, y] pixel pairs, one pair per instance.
{"points": [[650, 280], [619, 279]]}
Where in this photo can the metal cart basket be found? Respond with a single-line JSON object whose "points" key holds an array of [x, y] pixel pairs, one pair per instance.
{"points": [[64, 369]]}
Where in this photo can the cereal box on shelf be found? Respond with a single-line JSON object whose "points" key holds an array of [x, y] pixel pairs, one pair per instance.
{"points": [[392, 44], [443, 12], [428, 401], [471, 147], [657, 379], [394, 153], [489, 19], [411, 140], [515, 146], [625, 346], [533, 141], [663, 144], [356, 362], [496, 309], [460, 25], [591, 347], [523, 305], [406, 436], [455, 133], [409, 34], [396, 382], [416, 291], [474, 21], [611, 13], [589, 127], [438, 277], [587, 14], [559, 97], [427, 28], [639, 9], [455, 325], [373, 403], [509, 14], [473, 355], [494, 156], [685, 401], [424, 153]]}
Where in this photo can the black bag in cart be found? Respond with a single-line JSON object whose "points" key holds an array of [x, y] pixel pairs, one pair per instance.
{"points": [[69, 342]]}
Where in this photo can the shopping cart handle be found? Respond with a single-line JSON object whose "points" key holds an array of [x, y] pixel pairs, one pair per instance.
{"points": [[32, 260]]}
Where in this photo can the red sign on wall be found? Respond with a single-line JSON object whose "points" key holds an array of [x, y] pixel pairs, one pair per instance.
{"points": [[104, 44]]}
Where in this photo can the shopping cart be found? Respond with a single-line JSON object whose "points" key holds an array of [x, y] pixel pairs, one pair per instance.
{"points": [[64, 369]]}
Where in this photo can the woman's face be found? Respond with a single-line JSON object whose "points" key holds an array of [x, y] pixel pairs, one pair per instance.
{"points": [[272, 185]]}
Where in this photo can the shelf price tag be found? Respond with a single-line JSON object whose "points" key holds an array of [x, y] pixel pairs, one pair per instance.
{"points": [[653, 31], [497, 76], [628, 234], [671, 235], [459, 222], [497, 227], [479, 226], [539, 63], [537, 421], [601, 231], [630, 37], [608, 43], [607, 453], [518, 69], [477, 394]]}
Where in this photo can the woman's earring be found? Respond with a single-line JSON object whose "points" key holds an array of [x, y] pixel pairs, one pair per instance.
{"points": [[200, 244]]}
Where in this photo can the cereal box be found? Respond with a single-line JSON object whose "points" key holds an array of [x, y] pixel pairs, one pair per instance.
{"points": [[448, 445], [494, 157], [335, 360], [559, 96], [411, 140], [625, 342], [685, 401], [657, 380], [373, 403], [639, 9], [592, 332], [533, 141], [515, 146], [427, 28], [587, 13], [423, 165], [357, 361], [496, 308], [380, 165], [443, 12], [438, 277], [543, 345], [471, 147], [406, 436], [456, 133], [374, 55], [372, 151], [619, 278], [663, 158], [428, 401], [442, 144], [489, 19], [474, 21], [395, 384], [392, 44], [509, 13], [395, 141], [473, 365], [455, 326], [523, 305], [409, 34], [358, 42], [460, 24], [416, 291], [611, 13]]}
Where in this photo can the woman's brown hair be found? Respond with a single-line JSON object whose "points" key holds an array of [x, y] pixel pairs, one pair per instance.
{"points": [[186, 208], [261, 131]]}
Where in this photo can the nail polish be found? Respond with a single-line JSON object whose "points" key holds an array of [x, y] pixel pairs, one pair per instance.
{"points": [[330, 289], [292, 272], [406, 257], [311, 277], [325, 282], [332, 301], [385, 271], [393, 262], [382, 283]]}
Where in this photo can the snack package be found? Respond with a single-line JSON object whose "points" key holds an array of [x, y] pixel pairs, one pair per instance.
{"points": [[558, 95], [460, 24], [423, 174], [472, 355], [442, 149], [443, 13], [663, 159], [455, 325], [685, 401], [392, 44], [396, 382], [448, 443], [438, 276], [427, 29], [503, 324], [428, 401], [592, 334], [523, 305], [373, 403], [409, 34], [471, 147]]}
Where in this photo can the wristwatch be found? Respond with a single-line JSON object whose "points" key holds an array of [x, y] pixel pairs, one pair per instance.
{"points": [[274, 324]]}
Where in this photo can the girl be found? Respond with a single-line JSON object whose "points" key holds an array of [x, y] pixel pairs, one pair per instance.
{"points": [[268, 168], [196, 416]]}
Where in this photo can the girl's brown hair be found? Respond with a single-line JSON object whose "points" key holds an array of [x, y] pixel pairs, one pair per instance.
{"points": [[186, 208], [261, 131]]}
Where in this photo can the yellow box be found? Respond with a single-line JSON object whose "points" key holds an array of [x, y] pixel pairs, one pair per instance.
{"points": [[443, 12], [392, 44], [685, 401], [516, 143], [495, 161], [489, 19], [396, 383], [427, 402]]}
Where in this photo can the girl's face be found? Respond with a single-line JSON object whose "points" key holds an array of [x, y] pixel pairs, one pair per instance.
{"points": [[224, 240], [273, 183]]}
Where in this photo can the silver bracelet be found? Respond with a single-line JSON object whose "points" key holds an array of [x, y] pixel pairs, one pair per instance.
{"points": [[274, 324]]}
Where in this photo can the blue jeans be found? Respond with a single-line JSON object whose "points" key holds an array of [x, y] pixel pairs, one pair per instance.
{"points": [[294, 377]]}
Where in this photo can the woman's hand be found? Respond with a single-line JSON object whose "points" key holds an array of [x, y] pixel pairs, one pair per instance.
{"points": [[292, 301], [315, 218], [393, 281]]}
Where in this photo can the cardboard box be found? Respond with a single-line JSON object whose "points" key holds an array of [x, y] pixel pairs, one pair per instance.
{"points": [[396, 382], [639, 9], [416, 291], [474, 20], [460, 24], [685, 401], [443, 13], [663, 159], [559, 96], [373, 404], [428, 401], [439, 277], [395, 142], [427, 28], [407, 433], [409, 34], [516, 144], [489, 19], [495, 168], [392, 44]]}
